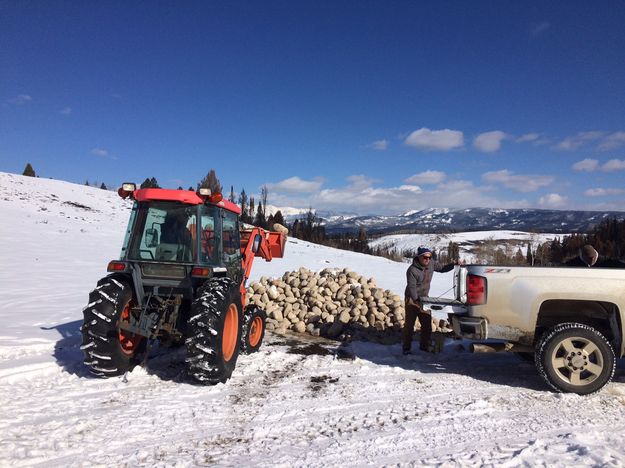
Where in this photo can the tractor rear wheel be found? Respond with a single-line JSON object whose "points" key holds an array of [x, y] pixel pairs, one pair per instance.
{"points": [[109, 350], [214, 331], [253, 329]]}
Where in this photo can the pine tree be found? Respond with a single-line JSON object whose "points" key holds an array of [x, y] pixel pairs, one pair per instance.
{"points": [[264, 193], [243, 204], [87, 183], [29, 171], [232, 197], [529, 258], [103, 186], [259, 219], [278, 218], [212, 182]]}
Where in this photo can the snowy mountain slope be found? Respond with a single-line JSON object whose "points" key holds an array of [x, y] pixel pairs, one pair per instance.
{"points": [[438, 220], [467, 241], [298, 402]]}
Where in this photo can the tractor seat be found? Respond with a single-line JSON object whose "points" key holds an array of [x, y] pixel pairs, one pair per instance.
{"points": [[172, 252]]}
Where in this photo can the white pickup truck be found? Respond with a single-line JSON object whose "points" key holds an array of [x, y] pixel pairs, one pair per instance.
{"points": [[571, 319]]}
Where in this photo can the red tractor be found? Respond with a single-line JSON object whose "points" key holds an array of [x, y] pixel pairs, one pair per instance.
{"points": [[180, 279]]}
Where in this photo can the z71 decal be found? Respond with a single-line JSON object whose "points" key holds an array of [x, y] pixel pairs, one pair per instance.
{"points": [[497, 270]]}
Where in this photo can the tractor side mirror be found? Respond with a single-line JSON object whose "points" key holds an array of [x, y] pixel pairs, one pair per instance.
{"points": [[256, 244], [151, 237]]}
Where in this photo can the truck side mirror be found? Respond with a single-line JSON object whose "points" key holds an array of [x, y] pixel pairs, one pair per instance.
{"points": [[256, 244], [151, 238]]}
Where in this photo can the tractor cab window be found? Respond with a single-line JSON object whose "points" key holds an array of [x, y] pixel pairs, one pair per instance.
{"points": [[232, 241], [164, 232], [209, 235]]}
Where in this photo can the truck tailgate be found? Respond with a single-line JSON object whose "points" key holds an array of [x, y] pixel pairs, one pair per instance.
{"points": [[446, 305]]}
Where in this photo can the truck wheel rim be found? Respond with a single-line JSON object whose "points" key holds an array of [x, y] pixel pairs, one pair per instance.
{"points": [[231, 326], [256, 331], [577, 361], [127, 340]]}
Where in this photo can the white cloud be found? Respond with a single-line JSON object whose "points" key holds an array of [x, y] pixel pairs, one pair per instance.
{"points": [[528, 137], [427, 177], [100, 152], [602, 192], [614, 165], [489, 142], [612, 141], [538, 28], [20, 99], [574, 142], [586, 165], [440, 140], [363, 195], [552, 200], [296, 185], [66, 111], [519, 183], [380, 145], [410, 188]]}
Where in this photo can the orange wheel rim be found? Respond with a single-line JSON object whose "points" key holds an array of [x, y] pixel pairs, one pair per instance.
{"points": [[127, 340], [231, 329], [256, 331]]}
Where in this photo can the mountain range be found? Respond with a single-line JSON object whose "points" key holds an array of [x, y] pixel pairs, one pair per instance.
{"points": [[469, 219]]}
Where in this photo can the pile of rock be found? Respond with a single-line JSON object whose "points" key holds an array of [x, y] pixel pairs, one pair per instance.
{"points": [[332, 303]]}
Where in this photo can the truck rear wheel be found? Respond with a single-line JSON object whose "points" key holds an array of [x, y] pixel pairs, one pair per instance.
{"points": [[253, 329], [573, 357], [109, 350], [214, 331]]}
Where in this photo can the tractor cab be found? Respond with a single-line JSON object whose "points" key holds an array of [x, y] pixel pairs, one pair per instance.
{"points": [[182, 236]]}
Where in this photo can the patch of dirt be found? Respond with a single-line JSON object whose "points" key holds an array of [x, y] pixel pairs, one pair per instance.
{"points": [[78, 205], [318, 382], [310, 350]]}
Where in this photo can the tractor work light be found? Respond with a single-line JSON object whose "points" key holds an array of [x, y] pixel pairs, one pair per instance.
{"points": [[126, 190], [204, 192], [215, 197]]}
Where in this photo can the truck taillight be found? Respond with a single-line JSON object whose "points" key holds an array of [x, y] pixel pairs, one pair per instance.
{"points": [[476, 290]]}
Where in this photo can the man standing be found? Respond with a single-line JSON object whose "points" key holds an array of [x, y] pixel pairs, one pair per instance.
{"points": [[419, 277]]}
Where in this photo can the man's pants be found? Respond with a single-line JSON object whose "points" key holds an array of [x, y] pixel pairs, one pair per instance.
{"points": [[425, 319]]}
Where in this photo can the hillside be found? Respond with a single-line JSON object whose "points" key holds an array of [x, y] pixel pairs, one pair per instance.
{"points": [[473, 219], [298, 402]]}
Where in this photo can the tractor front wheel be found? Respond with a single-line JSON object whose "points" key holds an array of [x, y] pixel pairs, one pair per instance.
{"points": [[214, 331], [109, 350], [253, 329]]}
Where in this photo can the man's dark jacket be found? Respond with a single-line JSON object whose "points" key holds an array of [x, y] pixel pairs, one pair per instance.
{"points": [[601, 262], [419, 277]]}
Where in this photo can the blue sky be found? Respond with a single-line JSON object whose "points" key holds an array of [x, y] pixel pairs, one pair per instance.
{"points": [[367, 107]]}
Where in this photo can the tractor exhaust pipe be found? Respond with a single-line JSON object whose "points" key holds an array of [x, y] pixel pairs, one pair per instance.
{"points": [[500, 347]]}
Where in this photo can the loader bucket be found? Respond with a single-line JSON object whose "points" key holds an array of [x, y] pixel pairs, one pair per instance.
{"points": [[276, 243]]}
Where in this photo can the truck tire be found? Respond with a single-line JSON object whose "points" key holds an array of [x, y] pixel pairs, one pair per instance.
{"points": [[108, 350], [253, 329], [573, 357], [214, 331]]}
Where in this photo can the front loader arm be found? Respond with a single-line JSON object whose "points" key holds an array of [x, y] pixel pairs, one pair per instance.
{"points": [[257, 242]]}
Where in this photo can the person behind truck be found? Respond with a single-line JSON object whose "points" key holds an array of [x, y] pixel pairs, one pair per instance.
{"points": [[589, 257], [419, 277]]}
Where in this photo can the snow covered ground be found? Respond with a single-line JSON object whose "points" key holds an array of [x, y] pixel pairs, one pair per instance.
{"points": [[298, 402]]}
